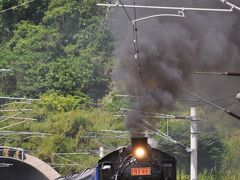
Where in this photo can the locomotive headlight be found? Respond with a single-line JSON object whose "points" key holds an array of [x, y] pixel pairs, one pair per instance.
{"points": [[140, 152]]}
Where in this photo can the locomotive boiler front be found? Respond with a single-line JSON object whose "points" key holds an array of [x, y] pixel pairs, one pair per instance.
{"points": [[138, 161]]}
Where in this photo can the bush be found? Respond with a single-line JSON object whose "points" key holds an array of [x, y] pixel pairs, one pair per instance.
{"points": [[54, 102]]}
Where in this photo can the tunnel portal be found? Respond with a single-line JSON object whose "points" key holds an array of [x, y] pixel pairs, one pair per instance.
{"points": [[16, 165]]}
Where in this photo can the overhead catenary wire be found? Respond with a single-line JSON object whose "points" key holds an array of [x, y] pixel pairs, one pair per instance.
{"points": [[104, 134], [187, 100], [104, 145], [73, 153], [157, 117], [15, 124], [136, 54], [217, 100], [15, 110], [230, 104], [166, 117], [171, 149], [7, 137], [147, 114], [18, 118], [18, 98], [11, 111], [24, 133], [12, 116], [136, 50], [126, 96], [122, 132], [169, 7], [182, 100], [153, 132], [56, 165], [66, 159], [16, 6], [14, 103], [107, 146], [214, 105], [163, 135]]}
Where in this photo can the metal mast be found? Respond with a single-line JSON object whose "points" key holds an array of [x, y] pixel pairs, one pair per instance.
{"points": [[194, 144]]}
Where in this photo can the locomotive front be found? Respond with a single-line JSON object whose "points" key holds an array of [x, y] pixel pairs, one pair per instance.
{"points": [[139, 161]]}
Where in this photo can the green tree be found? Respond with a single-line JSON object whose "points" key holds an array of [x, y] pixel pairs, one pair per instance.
{"points": [[33, 12], [68, 50]]}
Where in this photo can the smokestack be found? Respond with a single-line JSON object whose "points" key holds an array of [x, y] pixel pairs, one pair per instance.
{"points": [[137, 141]]}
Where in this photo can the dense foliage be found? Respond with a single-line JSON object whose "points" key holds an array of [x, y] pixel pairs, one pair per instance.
{"points": [[55, 46]]}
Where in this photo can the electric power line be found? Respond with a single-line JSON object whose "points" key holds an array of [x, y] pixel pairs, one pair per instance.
{"points": [[14, 7], [214, 105], [136, 49], [217, 100]]}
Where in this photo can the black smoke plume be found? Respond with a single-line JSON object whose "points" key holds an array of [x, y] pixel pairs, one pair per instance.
{"points": [[170, 49]]}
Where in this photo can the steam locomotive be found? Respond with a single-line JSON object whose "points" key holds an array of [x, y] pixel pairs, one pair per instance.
{"points": [[138, 161]]}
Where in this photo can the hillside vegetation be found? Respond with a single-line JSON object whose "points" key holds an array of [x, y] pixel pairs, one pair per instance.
{"points": [[55, 46], [61, 52]]}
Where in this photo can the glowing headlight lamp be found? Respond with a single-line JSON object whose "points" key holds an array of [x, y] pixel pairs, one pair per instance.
{"points": [[139, 152], [140, 148]]}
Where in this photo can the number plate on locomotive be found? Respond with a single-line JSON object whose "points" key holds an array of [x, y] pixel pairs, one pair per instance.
{"points": [[146, 171]]}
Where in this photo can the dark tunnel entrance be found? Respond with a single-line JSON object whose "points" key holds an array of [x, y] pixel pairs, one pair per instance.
{"points": [[12, 169]]}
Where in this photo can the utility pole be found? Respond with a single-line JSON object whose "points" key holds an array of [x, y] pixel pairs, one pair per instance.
{"points": [[194, 145]]}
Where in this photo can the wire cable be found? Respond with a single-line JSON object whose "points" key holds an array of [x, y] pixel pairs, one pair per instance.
{"points": [[217, 100], [129, 18], [222, 106], [136, 53], [136, 50], [161, 134], [214, 105], [14, 7]]}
